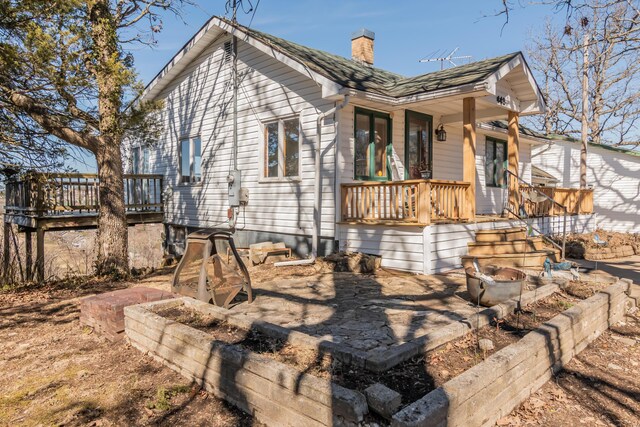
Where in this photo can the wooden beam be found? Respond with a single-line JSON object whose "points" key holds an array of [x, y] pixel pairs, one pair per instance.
{"points": [[513, 153], [28, 248], [424, 202], [481, 115], [469, 153], [6, 252], [40, 254]]}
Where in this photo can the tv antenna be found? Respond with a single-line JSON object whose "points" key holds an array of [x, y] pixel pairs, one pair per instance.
{"points": [[439, 55]]}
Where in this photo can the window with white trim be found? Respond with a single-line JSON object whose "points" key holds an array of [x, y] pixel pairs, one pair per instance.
{"points": [[140, 160], [190, 159], [282, 148]]}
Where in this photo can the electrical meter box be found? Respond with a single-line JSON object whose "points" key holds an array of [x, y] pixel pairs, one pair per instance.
{"points": [[244, 196], [235, 183]]}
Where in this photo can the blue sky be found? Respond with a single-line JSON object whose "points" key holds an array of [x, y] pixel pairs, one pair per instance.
{"points": [[405, 30]]}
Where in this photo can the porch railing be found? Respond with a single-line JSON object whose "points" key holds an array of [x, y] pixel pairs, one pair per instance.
{"points": [[408, 202], [39, 195], [577, 201], [530, 197]]}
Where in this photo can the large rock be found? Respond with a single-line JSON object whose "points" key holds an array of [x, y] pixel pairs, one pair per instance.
{"points": [[383, 400]]}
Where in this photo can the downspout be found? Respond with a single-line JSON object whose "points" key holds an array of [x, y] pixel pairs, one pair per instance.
{"points": [[315, 232]]}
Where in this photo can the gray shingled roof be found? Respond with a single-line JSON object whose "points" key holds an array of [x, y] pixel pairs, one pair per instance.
{"points": [[359, 76]]}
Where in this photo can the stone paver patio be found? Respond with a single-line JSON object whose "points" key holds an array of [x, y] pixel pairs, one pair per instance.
{"points": [[360, 311]]}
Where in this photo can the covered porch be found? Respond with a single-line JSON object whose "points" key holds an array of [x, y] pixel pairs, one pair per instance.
{"points": [[452, 157]]}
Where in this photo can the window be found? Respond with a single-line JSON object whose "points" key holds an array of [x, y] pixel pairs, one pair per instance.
{"points": [[372, 141], [282, 149], [190, 159], [495, 163], [140, 160], [418, 150]]}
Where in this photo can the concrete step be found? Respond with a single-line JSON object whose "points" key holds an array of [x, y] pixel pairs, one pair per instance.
{"points": [[501, 235], [508, 247], [533, 259]]}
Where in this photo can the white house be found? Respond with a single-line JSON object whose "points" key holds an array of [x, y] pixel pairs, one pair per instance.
{"points": [[614, 174], [336, 148]]}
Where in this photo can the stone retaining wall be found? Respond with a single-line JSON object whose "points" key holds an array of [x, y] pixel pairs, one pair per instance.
{"points": [[493, 388], [376, 361], [276, 394], [597, 254]]}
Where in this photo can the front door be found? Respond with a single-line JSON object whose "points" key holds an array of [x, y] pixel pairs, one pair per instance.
{"points": [[418, 145], [372, 144]]}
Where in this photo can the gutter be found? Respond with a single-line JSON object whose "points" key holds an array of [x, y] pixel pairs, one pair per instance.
{"points": [[315, 233]]}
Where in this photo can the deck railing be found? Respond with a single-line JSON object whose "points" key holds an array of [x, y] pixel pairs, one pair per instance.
{"points": [[39, 195], [407, 202]]}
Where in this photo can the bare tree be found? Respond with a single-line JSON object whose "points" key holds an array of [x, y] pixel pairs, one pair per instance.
{"points": [[602, 41], [66, 76]]}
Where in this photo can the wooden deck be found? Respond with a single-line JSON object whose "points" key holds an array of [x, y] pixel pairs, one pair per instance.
{"points": [[70, 201], [38, 202]]}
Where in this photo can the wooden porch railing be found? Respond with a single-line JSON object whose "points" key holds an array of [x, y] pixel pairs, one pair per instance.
{"points": [[408, 202], [41, 195], [578, 201], [449, 200]]}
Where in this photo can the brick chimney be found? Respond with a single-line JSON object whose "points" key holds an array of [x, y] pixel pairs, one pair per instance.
{"points": [[362, 46]]}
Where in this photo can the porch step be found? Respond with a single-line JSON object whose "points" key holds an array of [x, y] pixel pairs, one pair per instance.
{"points": [[501, 235], [506, 247], [533, 259]]}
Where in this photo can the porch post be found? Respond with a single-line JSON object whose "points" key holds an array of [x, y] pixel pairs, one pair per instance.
{"points": [[513, 152], [469, 153]]}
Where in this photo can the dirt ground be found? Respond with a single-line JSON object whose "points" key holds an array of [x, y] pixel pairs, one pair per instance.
{"points": [[55, 372], [599, 387]]}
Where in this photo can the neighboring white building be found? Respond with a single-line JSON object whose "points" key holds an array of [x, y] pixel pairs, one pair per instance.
{"points": [[614, 174], [375, 131]]}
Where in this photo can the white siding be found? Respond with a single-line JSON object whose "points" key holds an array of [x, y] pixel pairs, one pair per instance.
{"points": [[400, 247], [615, 177], [198, 102], [438, 247]]}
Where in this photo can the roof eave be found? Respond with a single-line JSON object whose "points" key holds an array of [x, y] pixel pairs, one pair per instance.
{"points": [[215, 26], [524, 108], [467, 89]]}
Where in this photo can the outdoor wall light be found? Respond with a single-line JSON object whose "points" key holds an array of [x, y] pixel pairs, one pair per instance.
{"points": [[441, 134]]}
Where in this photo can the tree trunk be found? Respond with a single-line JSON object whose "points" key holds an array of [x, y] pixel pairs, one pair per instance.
{"points": [[111, 245]]}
